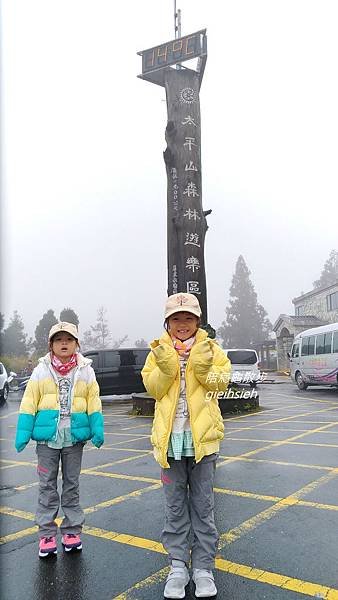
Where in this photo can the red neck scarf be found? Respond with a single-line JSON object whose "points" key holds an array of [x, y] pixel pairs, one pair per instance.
{"points": [[183, 348], [63, 368]]}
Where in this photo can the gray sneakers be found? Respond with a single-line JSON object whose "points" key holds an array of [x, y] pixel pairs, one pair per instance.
{"points": [[204, 582], [177, 579]]}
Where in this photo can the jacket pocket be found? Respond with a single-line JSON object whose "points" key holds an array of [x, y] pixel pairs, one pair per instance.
{"points": [[45, 425], [80, 427]]}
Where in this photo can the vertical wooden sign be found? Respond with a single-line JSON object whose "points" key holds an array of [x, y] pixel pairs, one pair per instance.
{"points": [[186, 222], [186, 226]]}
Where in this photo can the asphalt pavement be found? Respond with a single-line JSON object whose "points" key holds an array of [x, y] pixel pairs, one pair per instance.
{"points": [[276, 508]]}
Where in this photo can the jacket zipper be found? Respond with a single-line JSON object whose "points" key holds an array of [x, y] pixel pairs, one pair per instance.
{"points": [[189, 407], [175, 407], [57, 391], [71, 397]]}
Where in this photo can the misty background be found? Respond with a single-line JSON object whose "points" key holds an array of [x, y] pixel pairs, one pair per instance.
{"points": [[83, 179]]}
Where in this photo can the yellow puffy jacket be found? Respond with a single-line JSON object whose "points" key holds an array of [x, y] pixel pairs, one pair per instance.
{"points": [[161, 377]]}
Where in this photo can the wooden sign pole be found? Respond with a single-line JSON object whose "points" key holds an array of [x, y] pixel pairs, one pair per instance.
{"points": [[186, 220]]}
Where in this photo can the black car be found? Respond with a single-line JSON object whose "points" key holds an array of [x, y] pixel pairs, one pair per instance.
{"points": [[118, 371]]}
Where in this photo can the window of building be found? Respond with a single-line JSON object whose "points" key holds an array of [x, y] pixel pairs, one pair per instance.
{"points": [[332, 301], [299, 310]]}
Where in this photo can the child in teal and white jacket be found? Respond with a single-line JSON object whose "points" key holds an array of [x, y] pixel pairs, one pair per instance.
{"points": [[61, 409]]}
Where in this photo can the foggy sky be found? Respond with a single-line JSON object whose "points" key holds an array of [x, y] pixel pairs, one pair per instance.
{"points": [[84, 182]]}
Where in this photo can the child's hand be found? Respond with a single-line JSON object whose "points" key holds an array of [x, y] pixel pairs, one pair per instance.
{"points": [[166, 358], [205, 354]]}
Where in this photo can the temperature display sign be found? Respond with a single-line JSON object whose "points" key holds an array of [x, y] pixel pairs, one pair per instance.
{"points": [[175, 51]]}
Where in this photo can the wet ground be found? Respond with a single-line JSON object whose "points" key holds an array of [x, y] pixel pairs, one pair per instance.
{"points": [[276, 506]]}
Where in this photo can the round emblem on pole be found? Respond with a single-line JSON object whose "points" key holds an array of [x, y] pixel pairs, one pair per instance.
{"points": [[187, 95]]}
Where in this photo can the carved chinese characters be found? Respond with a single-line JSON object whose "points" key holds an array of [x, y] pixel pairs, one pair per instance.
{"points": [[186, 220]]}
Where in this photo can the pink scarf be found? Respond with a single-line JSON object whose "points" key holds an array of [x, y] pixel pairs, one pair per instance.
{"points": [[183, 348], [63, 368]]}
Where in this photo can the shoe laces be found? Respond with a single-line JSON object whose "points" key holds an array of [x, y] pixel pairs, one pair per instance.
{"points": [[71, 535], [48, 539]]}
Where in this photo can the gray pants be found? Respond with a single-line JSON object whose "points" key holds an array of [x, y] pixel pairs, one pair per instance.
{"points": [[49, 500], [189, 496]]}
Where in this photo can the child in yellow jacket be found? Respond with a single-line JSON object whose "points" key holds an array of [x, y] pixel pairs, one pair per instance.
{"points": [[184, 372]]}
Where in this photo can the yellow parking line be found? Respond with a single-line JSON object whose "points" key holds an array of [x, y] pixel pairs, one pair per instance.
{"points": [[119, 449], [270, 578], [261, 497], [153, 579], [137, 439], [281, 419], [9, 414], [22, 488], [136, 426], [118, 499], [140, 435], [120, 476], [236, 439], [123, 538], [276, 444], [120, 461], [255, 521], [230, 459], [217, 490], [19, 534], [16, 463], [275, 579], [21, 514], [249, 495]]}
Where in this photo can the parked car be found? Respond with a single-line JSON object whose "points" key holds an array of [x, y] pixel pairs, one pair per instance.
{"points": [[119, 371], [4, 384], [244, 366]]}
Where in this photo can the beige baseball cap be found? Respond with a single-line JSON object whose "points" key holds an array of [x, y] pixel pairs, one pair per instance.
{"points": [[64, 326], [182, 303]]}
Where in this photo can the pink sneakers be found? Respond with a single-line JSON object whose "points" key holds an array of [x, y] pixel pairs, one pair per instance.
{"points": [[47, 546], [70, 541]]}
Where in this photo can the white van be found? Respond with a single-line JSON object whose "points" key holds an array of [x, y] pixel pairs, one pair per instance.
{"points": [[314, 357], [244, 365]]}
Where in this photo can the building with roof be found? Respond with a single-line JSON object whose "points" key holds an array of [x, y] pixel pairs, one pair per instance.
{"points": [[315, 308]]}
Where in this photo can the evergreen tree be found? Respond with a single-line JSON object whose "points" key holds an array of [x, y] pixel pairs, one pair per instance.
{"points": [[329, 274], [88, 342], [100, 330], [70, 316], [246, 321], [42, 330], [14, 340], [98, 337]]}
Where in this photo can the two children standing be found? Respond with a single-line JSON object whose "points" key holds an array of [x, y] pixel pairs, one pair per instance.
{"points": [[61, 410]]}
